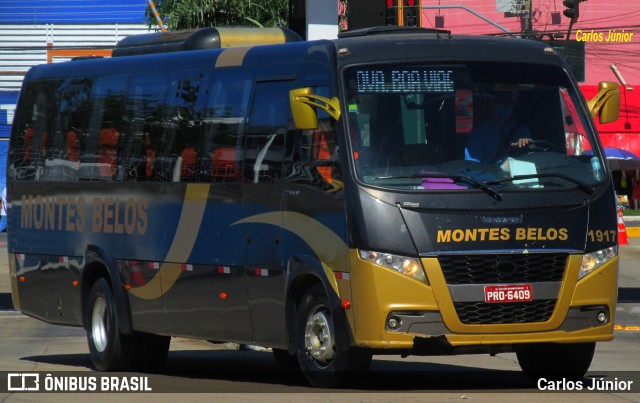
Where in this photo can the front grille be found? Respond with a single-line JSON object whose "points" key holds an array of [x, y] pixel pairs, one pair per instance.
{"points": [[485, 269], [481, 313]]}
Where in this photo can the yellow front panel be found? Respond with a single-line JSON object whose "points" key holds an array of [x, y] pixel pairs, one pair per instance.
{"points": [[376, 291]]}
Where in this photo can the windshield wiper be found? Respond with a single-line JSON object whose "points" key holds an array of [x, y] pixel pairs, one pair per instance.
{"points": [[484, 186], [590, 190]]}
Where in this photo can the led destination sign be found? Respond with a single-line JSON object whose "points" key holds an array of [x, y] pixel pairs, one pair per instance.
{"points": [[404, 80]]}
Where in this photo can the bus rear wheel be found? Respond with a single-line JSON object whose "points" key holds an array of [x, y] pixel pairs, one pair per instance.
{"points": [[322, 362], [555, 361], [108, 348]]}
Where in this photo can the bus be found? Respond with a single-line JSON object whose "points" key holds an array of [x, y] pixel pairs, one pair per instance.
{"points": [[319, 198]]}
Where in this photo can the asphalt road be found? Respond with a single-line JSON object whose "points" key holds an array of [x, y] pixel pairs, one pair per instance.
{"points": [[198, 370]]}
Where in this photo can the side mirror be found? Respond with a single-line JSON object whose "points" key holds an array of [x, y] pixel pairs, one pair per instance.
{"points": [[303, 107], [606, 103]]}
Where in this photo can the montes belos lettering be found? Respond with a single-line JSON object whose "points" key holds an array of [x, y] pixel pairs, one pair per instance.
{"points": [[107, 215], [502, 234]]}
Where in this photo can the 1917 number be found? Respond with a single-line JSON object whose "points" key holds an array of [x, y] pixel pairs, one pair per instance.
{"points": [[602, 236]]}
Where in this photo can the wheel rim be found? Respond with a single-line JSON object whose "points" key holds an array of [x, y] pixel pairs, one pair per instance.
{"points": [[319, 336], [99, 324]]}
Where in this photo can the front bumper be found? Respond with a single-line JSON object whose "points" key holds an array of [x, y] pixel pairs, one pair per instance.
{"points": [[428, 311]]}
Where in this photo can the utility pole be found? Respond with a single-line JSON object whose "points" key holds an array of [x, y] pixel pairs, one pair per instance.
{"points": [[573, 12], [526, 18], [154, 11]]}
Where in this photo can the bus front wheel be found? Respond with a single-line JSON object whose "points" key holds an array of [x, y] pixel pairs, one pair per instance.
{"points": [[321, 361], [555, 361], [109, 349]]}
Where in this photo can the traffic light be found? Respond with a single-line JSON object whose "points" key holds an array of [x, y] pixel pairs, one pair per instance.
{"points": [[392, 12], [412, 13], [573, 9]]}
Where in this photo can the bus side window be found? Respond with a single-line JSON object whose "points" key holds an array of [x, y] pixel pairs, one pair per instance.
{"points": [[576, 141], [144, 109], [268, 123], [107, 152], [69, 125], [224, 125], [312, 155], [73, 146], [322, 148], [30, 131], [100, 148], [177, 152]]}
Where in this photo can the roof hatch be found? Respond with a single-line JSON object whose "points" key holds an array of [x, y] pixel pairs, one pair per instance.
{"points": [[201, 39]]}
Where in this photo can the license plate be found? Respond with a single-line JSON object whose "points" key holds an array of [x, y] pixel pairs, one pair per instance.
{"points": [[508, 293]]}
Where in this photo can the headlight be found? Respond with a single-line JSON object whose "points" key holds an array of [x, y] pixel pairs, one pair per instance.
{"points": [[593, 260], [406, 265]]}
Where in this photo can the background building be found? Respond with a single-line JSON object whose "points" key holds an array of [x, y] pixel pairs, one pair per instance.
{"points": [[44, 31], [609, 31], [38, 31]]}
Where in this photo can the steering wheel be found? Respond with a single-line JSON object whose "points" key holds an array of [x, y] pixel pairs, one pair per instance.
{"points": [[531, 147], [541, 145]]}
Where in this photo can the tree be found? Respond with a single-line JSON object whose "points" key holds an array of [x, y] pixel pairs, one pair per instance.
{"points": [[187, 14]]}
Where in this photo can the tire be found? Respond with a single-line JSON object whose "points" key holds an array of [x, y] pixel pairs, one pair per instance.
{"points": [[151, 351], [286, 360], [323, 363], [555, 361], [108, 348]]}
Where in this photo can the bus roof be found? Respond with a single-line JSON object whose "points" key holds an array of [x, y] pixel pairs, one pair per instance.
{"points": [[429, 44], [405, 46]]}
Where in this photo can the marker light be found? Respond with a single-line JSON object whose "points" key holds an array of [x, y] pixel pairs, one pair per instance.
{"points": [[346, 304], [406, 265], [593, 260]]}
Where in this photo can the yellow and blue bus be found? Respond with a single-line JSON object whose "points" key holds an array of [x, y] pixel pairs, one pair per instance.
{"points": [[325, 199]]}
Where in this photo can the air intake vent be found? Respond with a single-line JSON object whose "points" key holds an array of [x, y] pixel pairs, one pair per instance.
{"points": [[484, 269], [480, 313]]}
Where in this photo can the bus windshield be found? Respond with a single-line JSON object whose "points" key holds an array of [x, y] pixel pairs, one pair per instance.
{"points": [[495, 126]]}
